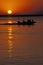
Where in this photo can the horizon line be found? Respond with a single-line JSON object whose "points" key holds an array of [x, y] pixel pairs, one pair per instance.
{"points": [[21, 15]]}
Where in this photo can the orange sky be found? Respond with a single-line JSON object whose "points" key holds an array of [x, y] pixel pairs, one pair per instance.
{"points": [[21, 6]]}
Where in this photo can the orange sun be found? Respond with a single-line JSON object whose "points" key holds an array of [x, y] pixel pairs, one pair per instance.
{"points": [[9, 11]]}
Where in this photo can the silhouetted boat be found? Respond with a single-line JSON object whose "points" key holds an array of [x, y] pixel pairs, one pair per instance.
{"points": [[28, 22]]}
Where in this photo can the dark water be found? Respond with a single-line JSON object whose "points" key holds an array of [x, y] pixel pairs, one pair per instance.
{"points": [[21, 45]]}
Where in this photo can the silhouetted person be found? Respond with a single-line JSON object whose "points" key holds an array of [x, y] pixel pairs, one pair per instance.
{"points": [[19, 23], [24, 23]]}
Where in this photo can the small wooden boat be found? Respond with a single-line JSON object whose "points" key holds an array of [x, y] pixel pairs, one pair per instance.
{"points": [[28, 22]]}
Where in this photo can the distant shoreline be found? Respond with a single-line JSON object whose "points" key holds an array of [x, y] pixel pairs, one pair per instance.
{"points": [[18, 15]]}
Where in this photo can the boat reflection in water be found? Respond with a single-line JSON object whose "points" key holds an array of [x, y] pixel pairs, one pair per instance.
{"points": [[10, 37]]}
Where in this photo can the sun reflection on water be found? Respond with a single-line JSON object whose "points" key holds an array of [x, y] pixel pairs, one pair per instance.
{"points": [[10, 43], [10, 22]]}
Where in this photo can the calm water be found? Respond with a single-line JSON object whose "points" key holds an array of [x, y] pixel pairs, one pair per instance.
{"points": [[21, 45]]}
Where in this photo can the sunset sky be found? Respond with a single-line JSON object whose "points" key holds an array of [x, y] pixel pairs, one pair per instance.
{"points": [[21, 6]]}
